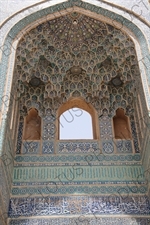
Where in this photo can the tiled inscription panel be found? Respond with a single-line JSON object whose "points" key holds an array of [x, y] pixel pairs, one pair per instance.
{"points": [[82, 219], [78, 173], [78, 205]]}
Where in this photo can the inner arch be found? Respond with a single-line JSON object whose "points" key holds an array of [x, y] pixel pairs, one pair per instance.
{"points": [[75, 123]]}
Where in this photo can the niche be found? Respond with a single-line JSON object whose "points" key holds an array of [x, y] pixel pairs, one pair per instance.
{"points": [[32, 127], [121, 125]]}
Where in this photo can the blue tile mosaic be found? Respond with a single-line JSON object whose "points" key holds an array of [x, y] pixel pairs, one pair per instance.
{"points": [[49, 128], [30, 147], [124, 146], [19, 139], [77, 146], [91, 188], [30, 206], [105, 127], [82, 219], [47, 147], [79, 205], [135, 138], [107, 147], [101, 158]]}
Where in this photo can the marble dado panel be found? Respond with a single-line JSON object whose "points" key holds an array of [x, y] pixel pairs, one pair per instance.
{"points": [[81, 220], [78, 173], [78, 205]]}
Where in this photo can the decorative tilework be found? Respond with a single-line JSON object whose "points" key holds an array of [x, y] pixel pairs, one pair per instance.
{"points": [[124, 146], [55, 72], [96, 9], [19, 139], [99, 10], [107, 147], [30, 147], [91, 188], [134, 135], [82, 219], [76, 147], [49, 128], [79, 205], [78, 173], [105, 127], [4, 186], [47, 147], [80, 158]]}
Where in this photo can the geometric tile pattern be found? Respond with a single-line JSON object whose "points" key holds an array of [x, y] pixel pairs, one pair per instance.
{"points": [[108, 206], [79, 205], [91, 7], [124, 146], [93, 158], [107, 146], [78, 146], [30, 147], [91, 188], [47, 147], [49, 129], [19, 139], [135, 138], [99, 64], [105, 127]]}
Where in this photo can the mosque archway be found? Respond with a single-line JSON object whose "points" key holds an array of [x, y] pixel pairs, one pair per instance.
{"points": [[101, 69]]}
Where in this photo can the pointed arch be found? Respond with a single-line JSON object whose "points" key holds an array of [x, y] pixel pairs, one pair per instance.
{"points": [[121, 125], [78, 104], [32, 125]]}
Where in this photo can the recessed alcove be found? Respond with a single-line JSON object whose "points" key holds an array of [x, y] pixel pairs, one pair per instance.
{"points": [[121, 125], [32, 126]]}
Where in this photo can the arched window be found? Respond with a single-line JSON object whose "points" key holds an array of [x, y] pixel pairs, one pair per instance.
{"points": [[77, 120], [76, 123], [32, 126], [121, 125]]}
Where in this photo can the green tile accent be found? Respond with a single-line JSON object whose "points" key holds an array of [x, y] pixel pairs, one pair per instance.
{"points": [[78, 174]]}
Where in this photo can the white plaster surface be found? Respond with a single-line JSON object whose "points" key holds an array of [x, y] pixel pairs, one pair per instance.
{"points": [[141, 7], [10, 7]]}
